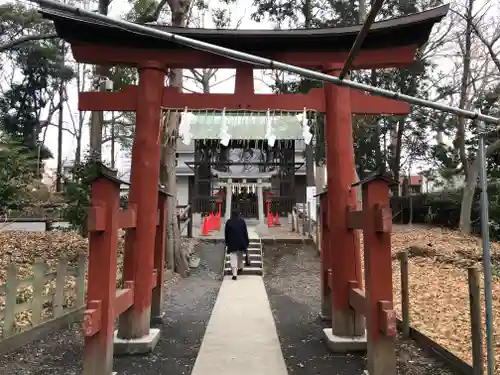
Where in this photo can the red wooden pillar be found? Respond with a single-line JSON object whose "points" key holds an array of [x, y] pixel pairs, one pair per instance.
{"points": [[344, 250], [140, 243], [101, 290], [244, 84], [326, 293], [159, 259], [380, 316]]}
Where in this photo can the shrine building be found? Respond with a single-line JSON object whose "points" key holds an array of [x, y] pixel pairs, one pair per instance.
{"points": [[262, 156]]}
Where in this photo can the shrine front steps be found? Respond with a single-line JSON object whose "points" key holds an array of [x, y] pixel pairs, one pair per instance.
{"points": [[255, 255]]}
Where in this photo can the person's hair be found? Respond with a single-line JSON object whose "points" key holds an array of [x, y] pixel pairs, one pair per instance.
{"points": [[235, 213]]}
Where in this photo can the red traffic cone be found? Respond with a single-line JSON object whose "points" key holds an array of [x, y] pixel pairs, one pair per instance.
{"points": [[277, 222], [269, 219], [204, 228], [211, 225], [217, 221]]}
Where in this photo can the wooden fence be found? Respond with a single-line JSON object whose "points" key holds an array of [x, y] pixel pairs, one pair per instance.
{"points": [[304, 224], [457, 364], [45, 301]]}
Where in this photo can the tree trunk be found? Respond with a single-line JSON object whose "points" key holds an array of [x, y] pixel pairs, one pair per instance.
{"points": [[174, 253], [80, 84], [470, 187], [320, 178], [97, 117], [464, 88], [375, 135], [309, 150], [179, 10], [397, 144], [78, 150], [309, 156], [60, 126], [468, 197], [176, 259], [95, 145]]}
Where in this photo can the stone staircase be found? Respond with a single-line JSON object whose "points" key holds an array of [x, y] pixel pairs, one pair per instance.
{"points": [[255, 255]]}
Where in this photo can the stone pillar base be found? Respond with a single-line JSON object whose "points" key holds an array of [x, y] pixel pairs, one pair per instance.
{"points": [[340, 344], [141, 345]]}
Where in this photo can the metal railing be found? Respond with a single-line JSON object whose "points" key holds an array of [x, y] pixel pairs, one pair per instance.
{"points": [[303, 223]]}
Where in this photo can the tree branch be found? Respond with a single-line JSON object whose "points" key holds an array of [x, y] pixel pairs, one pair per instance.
{"points": [[25, 39], [489, 46], [222, 81], [69, 131]]}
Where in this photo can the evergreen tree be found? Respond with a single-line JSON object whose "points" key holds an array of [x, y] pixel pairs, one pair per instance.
{"points": [[39, 65]]}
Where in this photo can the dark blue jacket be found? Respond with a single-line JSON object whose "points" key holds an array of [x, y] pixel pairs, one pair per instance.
{"points": [[236, 234]]}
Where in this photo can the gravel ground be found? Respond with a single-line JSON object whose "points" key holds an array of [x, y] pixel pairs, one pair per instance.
{"points": [[188, 305], [292, 283]]}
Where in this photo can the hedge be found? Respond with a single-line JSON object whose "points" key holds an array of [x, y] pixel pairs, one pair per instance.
{"points": [[443, 209]]}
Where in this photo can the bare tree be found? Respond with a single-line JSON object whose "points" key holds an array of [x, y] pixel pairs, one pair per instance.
{"points": [[474, 74], [488, 34], [466, 49]]}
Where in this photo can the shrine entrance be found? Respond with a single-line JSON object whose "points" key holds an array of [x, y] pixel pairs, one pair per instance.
{"points": [[246, 159], [98, 40], [244, 198]]}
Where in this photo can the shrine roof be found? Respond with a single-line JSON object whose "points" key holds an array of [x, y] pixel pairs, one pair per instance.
{"points": [[401, 31]]}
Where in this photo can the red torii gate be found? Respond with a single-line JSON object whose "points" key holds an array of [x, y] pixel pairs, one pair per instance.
{"points": [[390, 43]]}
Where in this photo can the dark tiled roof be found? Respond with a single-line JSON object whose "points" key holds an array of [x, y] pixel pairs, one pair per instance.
{"points": [[401, 31]]}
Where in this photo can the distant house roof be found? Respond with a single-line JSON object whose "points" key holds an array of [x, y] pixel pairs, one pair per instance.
{"points": [[414, 180]]}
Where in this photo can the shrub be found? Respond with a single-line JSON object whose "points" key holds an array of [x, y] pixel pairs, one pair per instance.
{"points": [[443, 209]]}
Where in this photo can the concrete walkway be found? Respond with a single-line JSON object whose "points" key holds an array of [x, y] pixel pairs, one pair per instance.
{"points": [[241, 337]]}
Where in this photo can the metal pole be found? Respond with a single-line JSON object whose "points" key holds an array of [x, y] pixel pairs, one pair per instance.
{"points": [[485, 235], [361, 37], [266, 63]]}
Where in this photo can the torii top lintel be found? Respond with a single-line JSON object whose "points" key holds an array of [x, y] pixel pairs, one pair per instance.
{"points": [[390, 43]]}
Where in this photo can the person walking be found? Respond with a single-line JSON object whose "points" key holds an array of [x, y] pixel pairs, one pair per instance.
{"points": [[236, 239]]}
